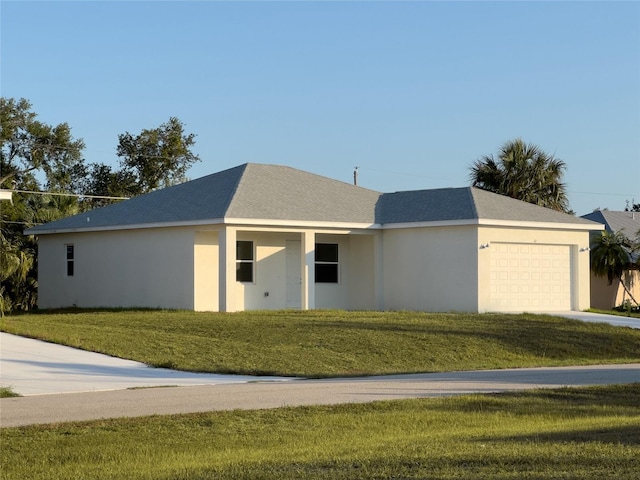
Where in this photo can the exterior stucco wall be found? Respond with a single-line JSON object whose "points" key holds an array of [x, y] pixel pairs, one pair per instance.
{"points": [[179, 268], [575, 240], [133, 268], [605, 296], [425, 268], [362, 272], [430, 269]]}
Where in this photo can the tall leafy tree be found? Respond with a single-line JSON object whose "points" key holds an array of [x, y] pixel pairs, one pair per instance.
{"points": [[157, 157], [154, 158], [30, 147], [33, 156], [525, 172]]}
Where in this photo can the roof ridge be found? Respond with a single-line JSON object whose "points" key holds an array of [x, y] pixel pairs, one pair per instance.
{"points": [[232, 196], [474, 206]]}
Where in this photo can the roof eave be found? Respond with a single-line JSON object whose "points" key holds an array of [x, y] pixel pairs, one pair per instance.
{"points": [[135, 226], [216, 221], [497, 223]]}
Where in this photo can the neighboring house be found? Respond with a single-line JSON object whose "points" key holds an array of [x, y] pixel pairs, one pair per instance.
{"points": [[607, 296], [273, 237], [6, 195]]}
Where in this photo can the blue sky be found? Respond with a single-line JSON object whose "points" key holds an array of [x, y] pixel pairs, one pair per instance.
{"points": [[410, 92]]}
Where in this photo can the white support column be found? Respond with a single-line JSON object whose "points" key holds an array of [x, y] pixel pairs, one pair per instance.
{"points": [[378, 281], [227, 269], [308, 270]]}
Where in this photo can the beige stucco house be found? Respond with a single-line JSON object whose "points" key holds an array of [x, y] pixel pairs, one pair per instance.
{"points": [[273, 237], [607, 296]]}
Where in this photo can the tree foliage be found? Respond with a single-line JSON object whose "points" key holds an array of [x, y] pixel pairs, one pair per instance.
{"points": [[155, 158], [36, 157], [632, 206], [610, 255], [525, 172], [29, 146]]}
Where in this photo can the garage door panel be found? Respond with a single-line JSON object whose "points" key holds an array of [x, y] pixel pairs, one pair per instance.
{"points": [[526, 277]]}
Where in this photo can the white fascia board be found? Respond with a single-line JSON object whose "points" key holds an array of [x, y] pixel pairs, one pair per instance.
{"points": [[137, 226], [440, 223], [541, 225], [5, 195], [256, 224], [495, 223], [300, 224]]}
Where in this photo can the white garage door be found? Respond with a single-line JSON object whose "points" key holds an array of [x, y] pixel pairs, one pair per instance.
{"points": [[530, 277]]}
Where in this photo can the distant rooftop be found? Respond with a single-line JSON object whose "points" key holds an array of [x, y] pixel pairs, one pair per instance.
{"points": [[615, 221]]}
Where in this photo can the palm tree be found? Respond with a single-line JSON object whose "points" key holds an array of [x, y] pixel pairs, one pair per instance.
{"points": [[611, 256], [523, 171]]}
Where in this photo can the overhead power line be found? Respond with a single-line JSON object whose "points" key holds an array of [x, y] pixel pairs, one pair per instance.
{"points": [[77, 195]]}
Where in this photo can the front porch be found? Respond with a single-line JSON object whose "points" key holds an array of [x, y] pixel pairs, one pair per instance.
{"points": [[275, 268]]}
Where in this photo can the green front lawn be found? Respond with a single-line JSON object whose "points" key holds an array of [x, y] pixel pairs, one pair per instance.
{"points": [[333, 343], [582, 433]]}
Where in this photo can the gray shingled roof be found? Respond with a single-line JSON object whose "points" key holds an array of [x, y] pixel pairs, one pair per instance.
{"points": [[284, 193], [626, 222], [205, 198], [466, 203], [272, 192], [251, 191]]}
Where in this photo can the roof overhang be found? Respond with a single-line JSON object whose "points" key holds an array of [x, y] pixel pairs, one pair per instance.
{"points": [[233, 222], [313, 225], [498, 223]]}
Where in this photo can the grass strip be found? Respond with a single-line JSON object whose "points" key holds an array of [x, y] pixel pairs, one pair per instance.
{"points": [[570, 433], [332, 343], [7, 392]]}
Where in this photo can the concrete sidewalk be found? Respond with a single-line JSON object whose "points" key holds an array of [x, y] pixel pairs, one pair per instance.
{"points": [[33, 367]]}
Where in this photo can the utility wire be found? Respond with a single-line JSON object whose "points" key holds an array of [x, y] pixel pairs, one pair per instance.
{"points": [[78, 195], [51, 147]]}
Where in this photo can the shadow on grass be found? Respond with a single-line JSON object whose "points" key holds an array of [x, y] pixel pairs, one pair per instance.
{"points": [[570, 402], [561, 339], [628, 435]]}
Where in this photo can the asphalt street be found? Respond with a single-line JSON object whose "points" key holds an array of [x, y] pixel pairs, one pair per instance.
{"points": [[40, 409]]}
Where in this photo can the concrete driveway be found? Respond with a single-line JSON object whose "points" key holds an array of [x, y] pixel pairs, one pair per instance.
{"points": [[32, 367], [615, 320]]}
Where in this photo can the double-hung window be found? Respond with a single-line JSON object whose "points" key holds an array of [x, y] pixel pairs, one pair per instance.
{"points": [[70, 260], [326, 263], [244, 261]]}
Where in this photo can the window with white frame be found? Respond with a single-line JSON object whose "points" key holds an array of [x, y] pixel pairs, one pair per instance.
{"points": [[70, 259], [244, 261], [326, 263]]}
